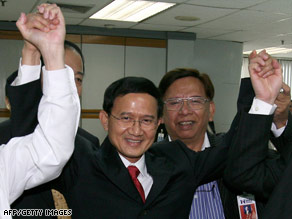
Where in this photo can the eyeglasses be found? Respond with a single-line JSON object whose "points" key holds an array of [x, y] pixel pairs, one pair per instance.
{"points": [[194, 103], [127, 121]]}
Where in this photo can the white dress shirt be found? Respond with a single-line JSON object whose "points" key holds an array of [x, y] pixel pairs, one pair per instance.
{"points": [[29, 161], [144, 178]]}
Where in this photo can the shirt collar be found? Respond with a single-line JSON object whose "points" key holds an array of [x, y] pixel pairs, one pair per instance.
{"points": [[140, 164], [206, 143]]}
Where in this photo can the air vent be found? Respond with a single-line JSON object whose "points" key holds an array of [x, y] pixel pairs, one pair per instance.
{"points": [[68, 8]]}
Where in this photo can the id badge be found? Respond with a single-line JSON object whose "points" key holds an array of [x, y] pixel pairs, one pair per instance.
{"points": [[247, 206]]}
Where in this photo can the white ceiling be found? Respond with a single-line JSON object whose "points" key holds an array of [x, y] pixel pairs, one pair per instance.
{"points": [[256, 23]]}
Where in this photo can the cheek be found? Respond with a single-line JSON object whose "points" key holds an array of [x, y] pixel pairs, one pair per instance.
{"points": [[170, 117]]}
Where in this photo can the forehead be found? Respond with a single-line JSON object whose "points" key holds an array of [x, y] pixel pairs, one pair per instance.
{"points": [[135, 103], [187, 86]]}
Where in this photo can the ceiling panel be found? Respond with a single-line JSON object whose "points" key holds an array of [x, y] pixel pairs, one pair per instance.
{"points": [[275, 6], [204, 13], [244, 20], [226, 3], [96, 5], [12, 9]]}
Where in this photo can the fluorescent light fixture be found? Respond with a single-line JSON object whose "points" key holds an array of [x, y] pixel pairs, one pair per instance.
{"points": [[272, 50], [130, 10]]}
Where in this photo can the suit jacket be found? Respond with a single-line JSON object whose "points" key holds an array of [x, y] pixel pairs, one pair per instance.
{"points": [[96, 184], [24, 101], [249, 167]]}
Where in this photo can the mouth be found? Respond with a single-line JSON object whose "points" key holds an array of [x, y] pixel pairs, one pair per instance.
{"points": [[133, 142], [186, 124]]}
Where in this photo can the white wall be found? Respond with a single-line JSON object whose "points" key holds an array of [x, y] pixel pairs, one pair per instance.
{"points": [[221, 60]]}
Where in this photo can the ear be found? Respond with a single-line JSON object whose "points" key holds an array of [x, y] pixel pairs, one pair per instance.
{"points": [[103, 117], [159, 121], [212, 110], [162, 120]]}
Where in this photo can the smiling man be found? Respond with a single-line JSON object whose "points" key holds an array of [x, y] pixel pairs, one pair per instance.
{"points": [[188, 108]]}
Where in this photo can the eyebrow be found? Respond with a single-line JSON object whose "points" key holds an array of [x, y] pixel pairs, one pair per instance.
{"points": [[80, 73], [128, 113]]}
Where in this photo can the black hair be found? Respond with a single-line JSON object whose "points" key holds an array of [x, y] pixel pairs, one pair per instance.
{"points": [[128, 85], [173, 75], [73, 46]]}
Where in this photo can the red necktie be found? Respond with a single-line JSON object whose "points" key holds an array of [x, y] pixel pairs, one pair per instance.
{"points": [[134, 172]]}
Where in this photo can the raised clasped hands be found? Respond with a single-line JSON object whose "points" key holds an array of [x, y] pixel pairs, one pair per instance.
{"points": [[266, 76], [45, 31]]}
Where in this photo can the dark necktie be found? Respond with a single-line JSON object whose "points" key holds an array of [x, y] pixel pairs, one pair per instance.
{"points": [[134, 172]]}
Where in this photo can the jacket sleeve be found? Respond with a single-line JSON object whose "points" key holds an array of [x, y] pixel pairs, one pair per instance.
{"points": [[248, 167]]}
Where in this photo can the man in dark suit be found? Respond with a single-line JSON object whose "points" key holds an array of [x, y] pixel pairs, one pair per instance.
{"points": [[168, 172], [250, 169], [97, 183], [188, 100], [24, 101]]}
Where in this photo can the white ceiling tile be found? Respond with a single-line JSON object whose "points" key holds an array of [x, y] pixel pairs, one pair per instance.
{"points": [[204, 13], [96, 5], [12, 9], [244, 20], [275, 6], [226, 3]]}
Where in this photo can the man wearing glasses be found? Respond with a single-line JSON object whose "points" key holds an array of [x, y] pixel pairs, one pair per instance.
{"points": [[189, 107], [188, 100], [128, 177]]}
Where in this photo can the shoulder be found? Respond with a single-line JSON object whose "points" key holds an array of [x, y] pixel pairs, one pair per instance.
{"points": [[90, 137]]}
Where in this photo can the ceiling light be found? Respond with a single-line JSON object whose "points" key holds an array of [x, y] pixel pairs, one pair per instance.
{"points": [[272, 50], [130, 10]]}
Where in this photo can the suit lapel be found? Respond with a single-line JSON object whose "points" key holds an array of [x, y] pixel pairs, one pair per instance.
{"points": [[160, 170], [113, 168]]}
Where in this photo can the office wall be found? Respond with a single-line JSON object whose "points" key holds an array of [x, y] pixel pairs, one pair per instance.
{"points": [[221, 60], [105, 63]]}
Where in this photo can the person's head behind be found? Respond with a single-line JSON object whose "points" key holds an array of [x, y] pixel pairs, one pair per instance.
{"points": [[74, 58], [132, 109], [188, 97]]}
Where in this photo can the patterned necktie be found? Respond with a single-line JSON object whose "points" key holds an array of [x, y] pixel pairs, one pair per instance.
{"points": [[134, 172]]}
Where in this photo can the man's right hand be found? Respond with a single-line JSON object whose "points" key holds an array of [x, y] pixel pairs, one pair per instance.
{"points": [[266, 76]]}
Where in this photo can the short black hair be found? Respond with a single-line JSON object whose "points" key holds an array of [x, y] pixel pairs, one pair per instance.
{"points": [[73, 46], [128, 85], [170, 77]]}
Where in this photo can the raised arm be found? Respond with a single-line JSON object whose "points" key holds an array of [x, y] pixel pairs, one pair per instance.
{"points": [[37, 158], [247, 168]]}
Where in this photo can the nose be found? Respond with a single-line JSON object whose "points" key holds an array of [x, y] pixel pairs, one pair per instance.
{"points": [[185, 109], [136, 129]]}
